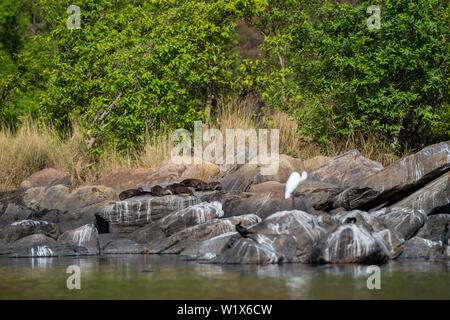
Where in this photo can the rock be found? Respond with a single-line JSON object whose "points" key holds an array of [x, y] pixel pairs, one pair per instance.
{"points": [[105, 239], [23, 228], [200, 171], [249, 174], [85, 236], [286, 236], [65, 198], [129, 215], [191, 216], [393, 242], [314, 195], [39, 245], [128, 179], [405, 221], [351, 243], [14, 212], [167, 173], [314, 163], [208, 249], [260, 204], [398, 180], [233, 161], [178, 242], [434, 226], [268, 186], [346, 170], [147, 234], [418, 248], [431, 198], [123, 246], [46, 178]]}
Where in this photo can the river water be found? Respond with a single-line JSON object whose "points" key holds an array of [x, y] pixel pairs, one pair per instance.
{"points": [[167, 277]]}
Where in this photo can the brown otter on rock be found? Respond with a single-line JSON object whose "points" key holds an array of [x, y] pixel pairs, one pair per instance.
{"points": [[179, 189], [200, 185], [159, 191], [197, 184], [130, 193]]}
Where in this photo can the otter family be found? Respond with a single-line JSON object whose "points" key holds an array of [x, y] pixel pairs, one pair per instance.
{"points": [[184, 188]]}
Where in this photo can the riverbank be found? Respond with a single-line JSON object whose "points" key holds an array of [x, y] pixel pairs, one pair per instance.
{"points": [[399, 211]]}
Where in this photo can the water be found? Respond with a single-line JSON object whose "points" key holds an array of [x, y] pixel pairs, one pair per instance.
{"points": [[166, 277]]}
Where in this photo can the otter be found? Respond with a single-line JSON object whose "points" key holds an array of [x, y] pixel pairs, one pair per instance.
{"points": [[197, 184], [130, 193], [200, 185], [159, 191], [172, 187], [180, 190]]}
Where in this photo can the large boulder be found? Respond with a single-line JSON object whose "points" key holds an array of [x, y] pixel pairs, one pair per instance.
{"points": [[14, 212], [432, 198], [85, 236], [46, 178], [434, 227], [177, 242], [131, 214], [286, 236], [405, 221], [250, 174], [39, 245], [346, 170], [351, 243], [207, 250], [64, 198], [128, 179], [191, 216], [418, 248], [23, 228], [315, 162], [398, 180]]}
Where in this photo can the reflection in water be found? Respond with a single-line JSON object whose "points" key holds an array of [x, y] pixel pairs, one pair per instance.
{"points": [[166, 277]]}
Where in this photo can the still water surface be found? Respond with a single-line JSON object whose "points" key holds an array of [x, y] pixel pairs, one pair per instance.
{"points": [[166, 277]]}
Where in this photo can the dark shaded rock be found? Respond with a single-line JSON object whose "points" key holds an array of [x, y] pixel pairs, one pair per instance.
{"points": [[346, 170], [85, 236], [14, 212], [123, 246], [178, 242], [350, 243], [418, 248], [433, 228], [431, 198], [23, 228], [46, 178], [147, 233], [207, 249], [398, 180], [286, 236]]}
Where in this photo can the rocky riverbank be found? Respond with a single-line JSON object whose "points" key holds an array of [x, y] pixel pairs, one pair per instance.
{"points": [[400, 212]]}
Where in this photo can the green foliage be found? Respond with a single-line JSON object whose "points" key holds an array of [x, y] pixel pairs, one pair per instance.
{"points": [[392, 81]]}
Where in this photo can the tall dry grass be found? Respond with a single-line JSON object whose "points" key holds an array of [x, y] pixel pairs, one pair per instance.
{"points": [[34, 147]]}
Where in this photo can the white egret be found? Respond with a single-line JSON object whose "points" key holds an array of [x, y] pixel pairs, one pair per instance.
{"points": [[292, 183]]}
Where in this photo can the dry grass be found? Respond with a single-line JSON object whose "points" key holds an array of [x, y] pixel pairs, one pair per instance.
{"points": [[32, 147]]}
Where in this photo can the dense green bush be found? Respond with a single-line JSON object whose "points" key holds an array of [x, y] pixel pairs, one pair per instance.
{"points": [[391, 81]]}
